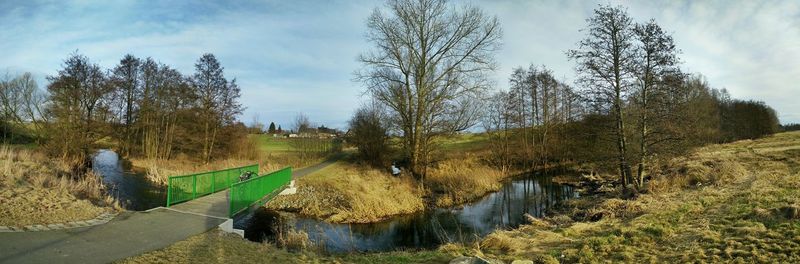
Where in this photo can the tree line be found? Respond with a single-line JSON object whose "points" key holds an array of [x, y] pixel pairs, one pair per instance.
{"points": [[142, 107], [633, 104], [630, 105]]}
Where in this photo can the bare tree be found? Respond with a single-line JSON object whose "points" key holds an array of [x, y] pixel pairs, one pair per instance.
{"points": [[497, 122], [658, 76], [301, 123], [606, 61], [79, 96], [125, 78], [217, 99], [428, 66]]}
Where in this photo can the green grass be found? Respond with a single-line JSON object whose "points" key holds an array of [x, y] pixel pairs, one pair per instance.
{"points": [[465, 142], [271, 144]]}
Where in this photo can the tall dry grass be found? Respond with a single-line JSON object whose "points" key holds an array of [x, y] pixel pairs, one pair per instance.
{"points": [[345, 193], [461, 180], [37, 190]]}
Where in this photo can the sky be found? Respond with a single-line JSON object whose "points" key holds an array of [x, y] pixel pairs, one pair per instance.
{"points": [[293, 57]]}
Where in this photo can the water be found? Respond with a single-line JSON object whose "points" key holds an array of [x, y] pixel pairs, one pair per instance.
{"points": [[500, 210], [133, 190]]}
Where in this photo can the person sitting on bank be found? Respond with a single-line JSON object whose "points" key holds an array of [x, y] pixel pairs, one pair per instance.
{"points": [[395, 170]]}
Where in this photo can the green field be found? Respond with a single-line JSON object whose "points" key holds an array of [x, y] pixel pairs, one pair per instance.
{"points": [[271, 144], [465, 142]]}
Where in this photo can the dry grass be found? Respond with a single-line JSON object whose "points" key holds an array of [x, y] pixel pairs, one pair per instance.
{"points": [[36, 190], [736, 202], [346, 193], [461, 180], [217, 247]]}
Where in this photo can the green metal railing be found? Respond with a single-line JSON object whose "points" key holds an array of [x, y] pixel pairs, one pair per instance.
{"points": [[192, 186], [246, 193]]}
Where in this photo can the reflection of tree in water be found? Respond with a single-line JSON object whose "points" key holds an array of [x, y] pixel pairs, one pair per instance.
{"points": [[533, 194]]}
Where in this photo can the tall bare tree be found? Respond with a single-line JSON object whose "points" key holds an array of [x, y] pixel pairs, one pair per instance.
{"points": [[658, 79], [428, 66], [125, 76], [217, 100], [606, 64]]}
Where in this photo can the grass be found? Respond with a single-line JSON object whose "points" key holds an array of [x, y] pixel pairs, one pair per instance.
{"points": [[347, 193], [271, 144], [464, 142], [461, 180], [37, 190], [216, 247], [736, 202]]}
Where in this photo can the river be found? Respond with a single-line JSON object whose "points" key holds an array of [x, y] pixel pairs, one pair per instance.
{"points": [[504, 209], [531, 194], [132, 190]]}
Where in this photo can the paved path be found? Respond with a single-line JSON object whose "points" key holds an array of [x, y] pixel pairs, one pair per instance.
{"points": [[129, 234], [311, 169], [215, 204]]}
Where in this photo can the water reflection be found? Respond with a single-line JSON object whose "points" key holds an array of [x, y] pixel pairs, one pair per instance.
{"points": [[133, 191], [500, 210]]}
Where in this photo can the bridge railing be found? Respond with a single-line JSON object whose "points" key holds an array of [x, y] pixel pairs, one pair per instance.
{"points": [[246, 193], [188, 187]]}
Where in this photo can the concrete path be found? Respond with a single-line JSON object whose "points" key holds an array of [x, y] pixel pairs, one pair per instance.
{"points": [[311, 169], [129, 234], [215, 204]]}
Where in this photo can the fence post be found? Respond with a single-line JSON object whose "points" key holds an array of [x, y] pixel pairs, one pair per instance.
{"points": [[169, 190]]}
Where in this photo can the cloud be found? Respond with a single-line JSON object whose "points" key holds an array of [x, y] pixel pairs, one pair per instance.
{"points": [[292, 57]]}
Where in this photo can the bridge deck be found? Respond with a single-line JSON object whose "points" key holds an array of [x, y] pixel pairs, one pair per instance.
{"points": [[215, 204]]}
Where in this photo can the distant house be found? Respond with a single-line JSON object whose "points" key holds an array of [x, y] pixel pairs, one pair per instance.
{"points": [[292, 135]]}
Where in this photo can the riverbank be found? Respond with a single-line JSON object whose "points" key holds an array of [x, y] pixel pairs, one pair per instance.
{"points": [[347, 192], [38, 190], [217, 247], [730, 202]]}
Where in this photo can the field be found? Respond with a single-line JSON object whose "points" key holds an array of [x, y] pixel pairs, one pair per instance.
{"points": [[271, 144]]}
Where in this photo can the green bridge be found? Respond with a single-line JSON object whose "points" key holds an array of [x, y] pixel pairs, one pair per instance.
{"points": [[221, 194]]}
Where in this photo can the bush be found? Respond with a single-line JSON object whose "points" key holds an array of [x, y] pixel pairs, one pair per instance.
{"points": [[368, 132]]}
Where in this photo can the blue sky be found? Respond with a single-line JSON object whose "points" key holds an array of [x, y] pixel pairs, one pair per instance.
{"points": [[299, 56]]}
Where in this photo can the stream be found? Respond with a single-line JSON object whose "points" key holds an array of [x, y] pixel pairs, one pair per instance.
{"points": [[132, 190], [503, 209], [530, 194]]}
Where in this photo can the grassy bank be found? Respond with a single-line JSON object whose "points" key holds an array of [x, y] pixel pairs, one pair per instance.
{"points": [[462, 179], [37, 190], [736, 202], [215, 247], [347, 193]]}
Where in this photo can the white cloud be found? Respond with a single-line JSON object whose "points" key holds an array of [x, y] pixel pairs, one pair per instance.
{"points": [[294, 57]]}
